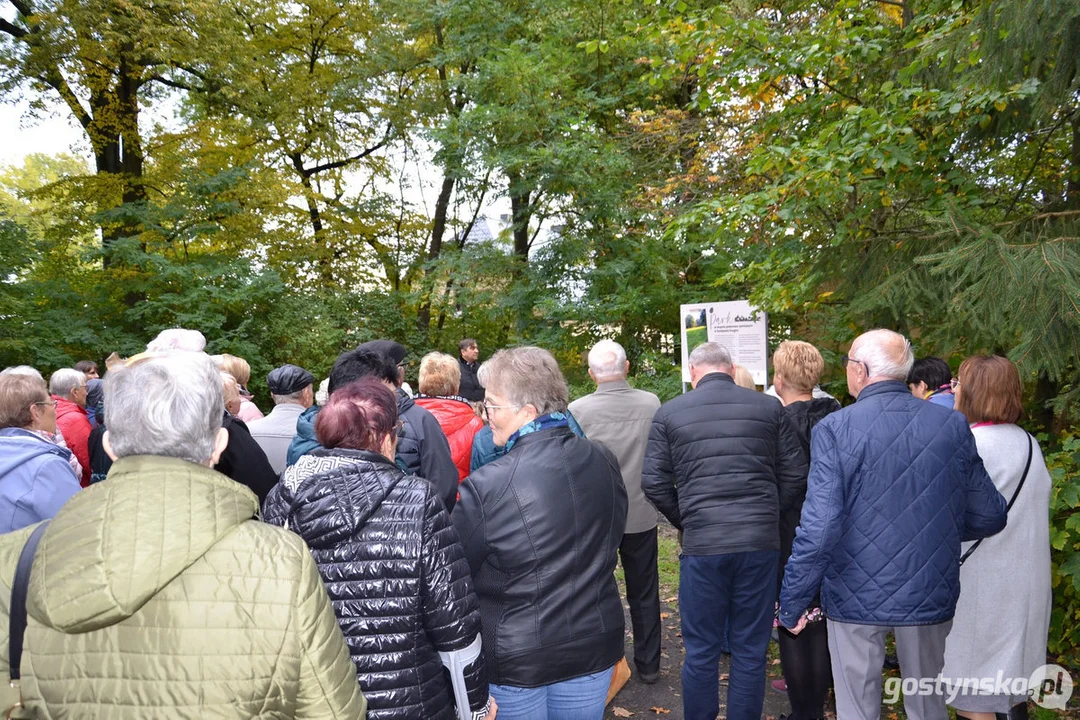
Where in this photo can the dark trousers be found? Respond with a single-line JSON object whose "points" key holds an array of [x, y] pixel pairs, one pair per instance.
{"points": [[807, 670], [713, 589], [638, 555]]}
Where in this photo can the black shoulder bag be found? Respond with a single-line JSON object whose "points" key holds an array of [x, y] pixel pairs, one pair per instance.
{"points": [[1012, 500], [17, 616]]}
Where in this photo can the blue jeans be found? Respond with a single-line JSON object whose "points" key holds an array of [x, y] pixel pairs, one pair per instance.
{"points": [[739, 590], [579, 699]]}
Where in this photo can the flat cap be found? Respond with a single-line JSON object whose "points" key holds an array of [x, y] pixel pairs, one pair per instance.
{"points": [[288, 379], [394, 350]]}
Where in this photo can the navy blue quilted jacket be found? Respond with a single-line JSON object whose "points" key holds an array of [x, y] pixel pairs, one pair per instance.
{"points": [[895, 485]]}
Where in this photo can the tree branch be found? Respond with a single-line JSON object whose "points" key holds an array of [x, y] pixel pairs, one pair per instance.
{"points": [[13, 30], [170, 83], [1034, 165], [23, 7], [56, 81]]}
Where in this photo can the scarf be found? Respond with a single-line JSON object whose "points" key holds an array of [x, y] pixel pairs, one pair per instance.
{"points": [[543, 422]]}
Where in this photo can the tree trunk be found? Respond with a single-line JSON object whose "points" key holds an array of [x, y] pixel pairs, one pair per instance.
{"points": [[521, 213], [114, 136], [438, 229]]}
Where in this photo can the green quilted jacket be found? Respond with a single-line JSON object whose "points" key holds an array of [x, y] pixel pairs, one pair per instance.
{"points": [[155, 594]]}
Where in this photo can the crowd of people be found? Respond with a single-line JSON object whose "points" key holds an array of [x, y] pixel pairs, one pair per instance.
{"points": [[363, 551]]}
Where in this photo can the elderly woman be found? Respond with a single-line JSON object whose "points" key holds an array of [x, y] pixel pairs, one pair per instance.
{"points": [[383, 540], [239, 368], [440, 378], [243, 459], [541, 526], [37, 474], [158, 593], [68, 388], [1003, 614]]}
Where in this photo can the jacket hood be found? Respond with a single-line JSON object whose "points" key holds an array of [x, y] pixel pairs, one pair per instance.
{"points": [[404, 402], [19, 446], [342, 490], [452, 414], [114, 545], [305, 424]]}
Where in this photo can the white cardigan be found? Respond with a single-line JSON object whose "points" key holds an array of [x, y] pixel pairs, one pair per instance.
{"points": [[1003, 615]]}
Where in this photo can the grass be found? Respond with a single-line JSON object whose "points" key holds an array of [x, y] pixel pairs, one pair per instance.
{"points": [[695, 336]]}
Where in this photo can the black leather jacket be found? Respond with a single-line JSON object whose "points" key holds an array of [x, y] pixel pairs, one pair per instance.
{"points": [[395, 573], [722, 463], [540, 527]]}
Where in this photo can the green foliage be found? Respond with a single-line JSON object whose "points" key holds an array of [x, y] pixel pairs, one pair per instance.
{"points": [[1064, 465]]}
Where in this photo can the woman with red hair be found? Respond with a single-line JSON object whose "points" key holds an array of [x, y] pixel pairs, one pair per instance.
{"points": [[395, 571]]}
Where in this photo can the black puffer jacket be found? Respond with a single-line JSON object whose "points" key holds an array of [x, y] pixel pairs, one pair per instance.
{"points": [[396, 575], [721, 463], [424, 450], [540, 527], [803, 415]]}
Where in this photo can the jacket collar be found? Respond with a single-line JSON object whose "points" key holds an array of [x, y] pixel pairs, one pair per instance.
{"points": [[716, 377], [884, 387], [613, 386]]}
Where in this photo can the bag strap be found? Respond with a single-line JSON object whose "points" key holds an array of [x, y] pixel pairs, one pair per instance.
{"points": [[17, 614], [1012, 500]]}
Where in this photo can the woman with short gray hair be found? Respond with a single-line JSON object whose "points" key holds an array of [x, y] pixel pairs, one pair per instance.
{"points": [[68, 388], [550, 649], [38, 477]]}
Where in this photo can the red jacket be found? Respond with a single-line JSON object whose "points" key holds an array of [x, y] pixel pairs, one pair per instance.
{"points": [[74, 425], [459, 424]]}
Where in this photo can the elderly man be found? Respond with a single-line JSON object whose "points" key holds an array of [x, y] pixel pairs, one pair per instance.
{"points": [[896, 484], [292, 389], [470, 387], [160, 585], [68, 388], [722, 463], [619, 417]]}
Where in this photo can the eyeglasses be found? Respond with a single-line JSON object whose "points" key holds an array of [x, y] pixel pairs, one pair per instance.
{"points": [[489, 407], [400, 428], [50, 403], [954, 383], [844, 360]]}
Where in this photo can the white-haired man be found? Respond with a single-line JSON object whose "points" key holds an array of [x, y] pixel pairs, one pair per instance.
{"points": [[619, 417], [895, 485], [722, 463], [68, 388], [159, 585]]}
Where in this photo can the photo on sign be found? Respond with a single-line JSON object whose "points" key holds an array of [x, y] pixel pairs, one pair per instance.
{"points": [[696, 327]]}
